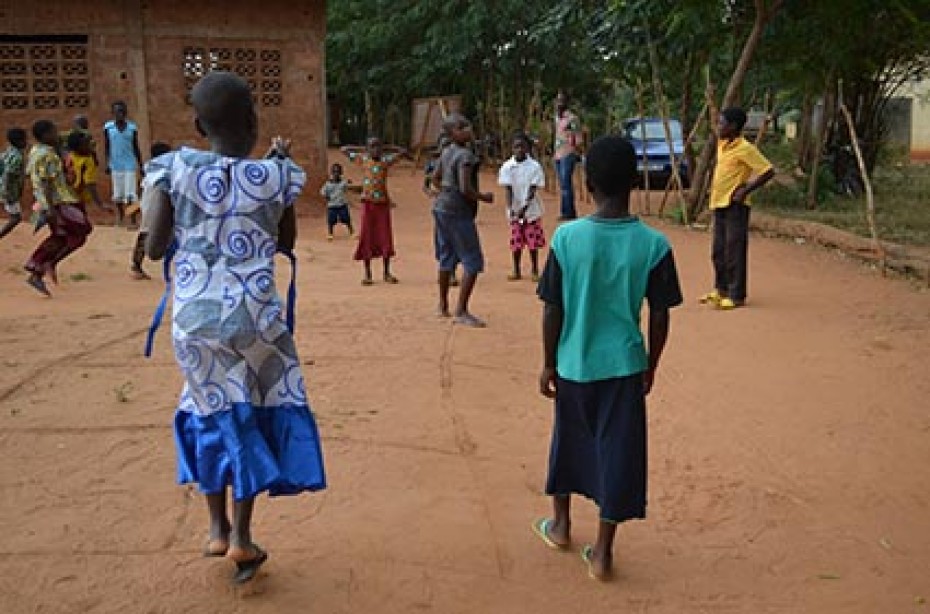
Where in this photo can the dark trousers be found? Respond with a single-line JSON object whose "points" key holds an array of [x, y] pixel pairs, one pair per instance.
{"points": [[731, 250]]}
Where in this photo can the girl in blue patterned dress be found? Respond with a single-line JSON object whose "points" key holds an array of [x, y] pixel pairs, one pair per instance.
{"points": [[243, 421]]}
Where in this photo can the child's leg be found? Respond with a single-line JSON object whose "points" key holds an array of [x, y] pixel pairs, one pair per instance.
{"points": [[138, 255], [445, 280], [462, 315], [367, 265], [517, 255], [534, 263], [560, 529], [13, 222], [602, 557], [331, 219], [387, 272], [247, 555], [220, 527]]}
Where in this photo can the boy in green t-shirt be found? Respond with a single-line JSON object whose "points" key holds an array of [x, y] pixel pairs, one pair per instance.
{"points": [[597, 366]]}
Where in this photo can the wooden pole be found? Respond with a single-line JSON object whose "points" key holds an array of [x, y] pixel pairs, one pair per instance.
{"points": [[869, 197], [641, 110], [663, 111]]}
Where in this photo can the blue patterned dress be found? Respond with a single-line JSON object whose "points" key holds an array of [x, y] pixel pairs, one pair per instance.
{"points": [[243, 418]]}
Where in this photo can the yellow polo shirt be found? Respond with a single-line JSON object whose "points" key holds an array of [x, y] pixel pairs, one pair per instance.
{"points": [[737, 161]]}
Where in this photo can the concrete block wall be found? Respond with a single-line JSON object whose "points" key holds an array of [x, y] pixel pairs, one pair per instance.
{"points": [[136, 54]]}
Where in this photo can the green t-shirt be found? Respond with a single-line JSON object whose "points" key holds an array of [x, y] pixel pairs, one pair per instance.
{"points": [[599, 272]]}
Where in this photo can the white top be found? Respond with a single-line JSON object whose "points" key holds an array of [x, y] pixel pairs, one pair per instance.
{"points": [[520, 176]]}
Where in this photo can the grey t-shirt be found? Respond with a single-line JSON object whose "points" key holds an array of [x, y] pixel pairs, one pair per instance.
{"points": [[451, 199]]}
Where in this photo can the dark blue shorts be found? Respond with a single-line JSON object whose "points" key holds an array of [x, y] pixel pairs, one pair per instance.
{"points": [[338, 215], [456, 240]]}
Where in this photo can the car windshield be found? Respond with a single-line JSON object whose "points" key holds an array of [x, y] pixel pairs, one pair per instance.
{"points": [[654, 131]]}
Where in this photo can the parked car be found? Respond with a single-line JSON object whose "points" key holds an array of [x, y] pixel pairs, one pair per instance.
{"points": [[647, 134]]}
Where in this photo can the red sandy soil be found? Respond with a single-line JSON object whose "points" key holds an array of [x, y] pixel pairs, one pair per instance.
{"points": [[789, 444]]}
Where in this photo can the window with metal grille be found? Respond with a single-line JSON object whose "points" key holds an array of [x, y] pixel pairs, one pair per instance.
{"points": [[261, 68], [44, 72]]}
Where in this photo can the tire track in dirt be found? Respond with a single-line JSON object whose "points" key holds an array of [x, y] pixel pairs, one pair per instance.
{"points": [[467, 446], [67, 358]]}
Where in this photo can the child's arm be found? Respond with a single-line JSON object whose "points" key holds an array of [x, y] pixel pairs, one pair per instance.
{"points": [[106, 150], [137, 152], [351, 151], [658, 335], [162, 226], [550, 291], [287, 230], [662, 293], [469, 191]]}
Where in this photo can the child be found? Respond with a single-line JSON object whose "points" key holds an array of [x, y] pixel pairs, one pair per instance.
{"points": [[741, 170], [148, 194], [454, 211], [597, 367], [12, 178], [337, 206], [121, 143], [376, 239], [431, 191], [244, 421], [521, 175], [57, 204], [80, 163]]}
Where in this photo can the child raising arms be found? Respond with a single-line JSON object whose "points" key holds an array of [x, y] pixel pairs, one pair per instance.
{"points": [[376, 239], [337, 205], [243, 422]]}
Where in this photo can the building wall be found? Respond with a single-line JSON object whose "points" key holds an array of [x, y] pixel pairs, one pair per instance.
{"points": [[149, 53]]}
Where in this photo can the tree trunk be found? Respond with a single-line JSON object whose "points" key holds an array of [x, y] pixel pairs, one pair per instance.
{"points": [[704, 168], [869, 199], [803, 137], [687, 124], [820, 134]]}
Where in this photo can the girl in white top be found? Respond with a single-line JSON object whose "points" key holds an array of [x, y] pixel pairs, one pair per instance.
{"points": [[522, 176]]}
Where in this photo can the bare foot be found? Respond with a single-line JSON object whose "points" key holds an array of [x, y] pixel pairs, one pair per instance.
{"points": [[466, 319], [443, 312], [388, 278], [514, 277], [216, 546], [367, 281], [140, 275]]}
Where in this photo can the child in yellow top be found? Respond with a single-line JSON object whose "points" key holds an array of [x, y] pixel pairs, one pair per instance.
{"points": [[741, 170]]}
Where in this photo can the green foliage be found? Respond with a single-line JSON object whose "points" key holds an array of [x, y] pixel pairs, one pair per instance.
{"points": [[500, 54]]}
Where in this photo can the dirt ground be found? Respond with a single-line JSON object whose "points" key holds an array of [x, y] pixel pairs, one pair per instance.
{"points": [[789, 445]]}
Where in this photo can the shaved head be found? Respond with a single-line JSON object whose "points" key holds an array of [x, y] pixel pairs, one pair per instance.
{"points": [[224, 108]]}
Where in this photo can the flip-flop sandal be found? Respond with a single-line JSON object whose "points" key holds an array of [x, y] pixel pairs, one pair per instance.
{"points": [[246, 570], [209, 549], [541, 529], [587, 555]]}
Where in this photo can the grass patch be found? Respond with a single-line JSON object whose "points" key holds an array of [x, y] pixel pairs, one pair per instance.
{"points": [[902, 204], [80, 277]]}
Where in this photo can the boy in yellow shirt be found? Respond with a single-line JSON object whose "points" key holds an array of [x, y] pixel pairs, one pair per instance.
{"points": [[741, 170]]}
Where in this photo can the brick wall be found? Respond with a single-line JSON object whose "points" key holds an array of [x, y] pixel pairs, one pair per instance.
{"points": [[136, 51]]}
